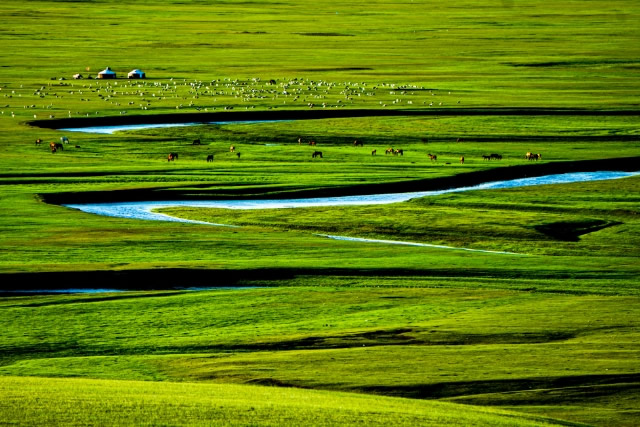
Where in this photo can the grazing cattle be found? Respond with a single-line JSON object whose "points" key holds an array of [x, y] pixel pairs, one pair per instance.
{"points": [[389, 150], [462, 160], [486, 157], [232, 148], [358, 143], [495, 156], [400, 151], [533, 156], [38, 141], [299, 140], [373, 153], [433, 157], [64, 139], [316, 154], [77, 146], [210, 158], [312, 143], [172, 156], [196, 142], [238, 154]]}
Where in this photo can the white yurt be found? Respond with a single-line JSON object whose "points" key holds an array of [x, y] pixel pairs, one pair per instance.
{"points": [[107, 73], [136, 74]]}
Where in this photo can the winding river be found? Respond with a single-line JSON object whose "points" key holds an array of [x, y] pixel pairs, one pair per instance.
{"points": [[146, 210]]}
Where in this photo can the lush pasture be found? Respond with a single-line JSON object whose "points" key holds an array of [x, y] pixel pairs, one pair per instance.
{"points": [[550, 332], [401, 341], [144, 403]]}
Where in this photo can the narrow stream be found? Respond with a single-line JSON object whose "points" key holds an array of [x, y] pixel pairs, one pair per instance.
{"points": [[145, 210]]}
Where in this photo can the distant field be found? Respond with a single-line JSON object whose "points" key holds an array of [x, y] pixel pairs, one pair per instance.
{"points": [[309, 330]]}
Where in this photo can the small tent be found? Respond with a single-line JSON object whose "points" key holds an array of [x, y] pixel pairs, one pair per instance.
{"points": [[107, 73], [136, 74]]}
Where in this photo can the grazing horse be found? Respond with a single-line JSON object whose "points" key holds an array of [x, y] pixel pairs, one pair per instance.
{"points": [[64, 139], [373, 153], [533, 156], [399, 151], [232, 148], [38, 141], [172, 156], [210, 158], [312, 143], [433, 157], [358, 143], [52, 146], [316, 154], [389, 150], [196, 142], [462, 160]]}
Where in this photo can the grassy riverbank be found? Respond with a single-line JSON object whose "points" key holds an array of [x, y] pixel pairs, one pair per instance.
{"points": [[322, 331]]}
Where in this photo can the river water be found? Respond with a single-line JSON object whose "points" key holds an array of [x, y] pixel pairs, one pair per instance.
{"points": [[119, 128], [145, 210]]}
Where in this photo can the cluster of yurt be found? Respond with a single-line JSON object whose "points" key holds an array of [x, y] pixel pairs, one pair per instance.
{"points": [[108, 73]]}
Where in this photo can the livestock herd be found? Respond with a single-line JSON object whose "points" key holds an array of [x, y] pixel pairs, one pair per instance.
{"points": [[55, 146]]}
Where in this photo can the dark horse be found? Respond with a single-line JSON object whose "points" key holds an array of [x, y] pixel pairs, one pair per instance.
{"points": [[316, 154], [172, 156], [55, 146]]}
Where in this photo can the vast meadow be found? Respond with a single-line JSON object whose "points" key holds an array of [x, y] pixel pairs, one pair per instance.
{"points": [[515, 306]]}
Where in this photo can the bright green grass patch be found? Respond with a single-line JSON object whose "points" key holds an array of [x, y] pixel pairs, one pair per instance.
{"points": [[410, 342], [38, 401]]}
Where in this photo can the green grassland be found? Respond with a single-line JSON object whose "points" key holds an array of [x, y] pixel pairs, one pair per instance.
{"points": [[299, 328]]}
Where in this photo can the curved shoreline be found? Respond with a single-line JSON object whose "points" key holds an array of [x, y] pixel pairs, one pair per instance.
{"points": [[625, 164], [311, 114]]}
